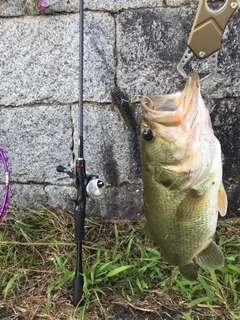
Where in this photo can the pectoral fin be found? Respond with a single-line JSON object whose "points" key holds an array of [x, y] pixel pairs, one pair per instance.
{"points": [[222, 201], [189, 272], [211, 257], [191, 206]]}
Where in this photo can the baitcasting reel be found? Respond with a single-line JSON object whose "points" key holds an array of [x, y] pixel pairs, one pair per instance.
{"points": [[95, 187]]}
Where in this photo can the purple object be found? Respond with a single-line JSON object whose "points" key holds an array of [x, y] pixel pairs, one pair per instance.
{"points": [[5, 197], [42, 4]]}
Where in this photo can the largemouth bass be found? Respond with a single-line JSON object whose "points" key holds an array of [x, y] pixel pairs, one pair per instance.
{"points": [[182, 179]]}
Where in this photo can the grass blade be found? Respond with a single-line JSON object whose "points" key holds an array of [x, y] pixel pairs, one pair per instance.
{"points": [[11, 282], [186, 316], [197, 301], [118, 270]]}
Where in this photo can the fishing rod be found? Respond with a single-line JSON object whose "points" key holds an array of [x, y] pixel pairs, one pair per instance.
{"points": [[86, 185]]}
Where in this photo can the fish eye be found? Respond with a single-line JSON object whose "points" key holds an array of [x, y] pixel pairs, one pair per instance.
{"points": [[148, 135]]}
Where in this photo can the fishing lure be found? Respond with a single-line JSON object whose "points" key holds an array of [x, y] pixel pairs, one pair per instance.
{"points": [[121, 100]]}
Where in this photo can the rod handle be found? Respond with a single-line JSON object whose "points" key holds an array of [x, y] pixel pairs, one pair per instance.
{"points": [[77, 289]]}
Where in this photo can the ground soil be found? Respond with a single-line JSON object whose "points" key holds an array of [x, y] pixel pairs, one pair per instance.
{"points": [[24, 301], [120, 313]]}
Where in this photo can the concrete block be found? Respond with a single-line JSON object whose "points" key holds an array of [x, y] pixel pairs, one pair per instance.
{"points": [[36, 140], [136, 44], [116, 5], [12, 8], [123, 202], [53, 6], [60, 196], [225, 115], [39, 59], [27, 196], [30, 7], [110, 151], [178, 3], [103, 5], [150, 44]]}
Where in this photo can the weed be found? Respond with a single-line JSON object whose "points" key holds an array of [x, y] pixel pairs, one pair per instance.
{"points": [[37, 255]]}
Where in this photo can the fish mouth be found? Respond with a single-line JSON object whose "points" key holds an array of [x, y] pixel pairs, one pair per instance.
{"points": [[171, 109]]}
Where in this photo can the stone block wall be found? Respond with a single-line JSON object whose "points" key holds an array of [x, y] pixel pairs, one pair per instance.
{"points": [[133, 44]]}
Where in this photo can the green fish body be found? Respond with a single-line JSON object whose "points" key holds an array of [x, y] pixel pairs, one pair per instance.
{"points": [[182, 179]]}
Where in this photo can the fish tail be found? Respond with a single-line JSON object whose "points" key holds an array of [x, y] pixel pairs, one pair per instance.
{"points": [[122, 103], [211, 257], [189, 271]]}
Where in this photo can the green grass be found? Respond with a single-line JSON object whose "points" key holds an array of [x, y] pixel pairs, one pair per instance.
{"points": [[121, 265]]}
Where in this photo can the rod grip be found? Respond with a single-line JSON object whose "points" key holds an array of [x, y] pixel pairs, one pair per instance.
{"points": [[77, 289]]}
